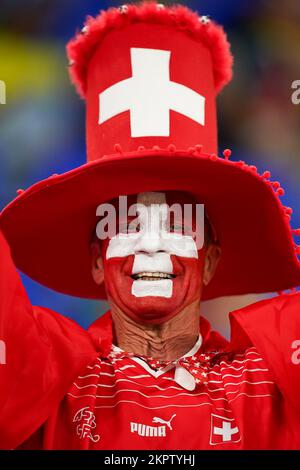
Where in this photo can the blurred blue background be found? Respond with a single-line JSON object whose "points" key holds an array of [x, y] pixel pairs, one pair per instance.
{"points": [[42, 124]]}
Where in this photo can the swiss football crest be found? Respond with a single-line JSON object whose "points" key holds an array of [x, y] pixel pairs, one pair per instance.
{"points": [[223, 430], [86, 424]]}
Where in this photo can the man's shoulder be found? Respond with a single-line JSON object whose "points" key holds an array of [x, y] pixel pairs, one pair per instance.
{"points": [[272, 326], [47, 316], [264, 318], [59, 328], [276, 302]]}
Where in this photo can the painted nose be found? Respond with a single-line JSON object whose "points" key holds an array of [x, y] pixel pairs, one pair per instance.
{"points": [[150, 243]]}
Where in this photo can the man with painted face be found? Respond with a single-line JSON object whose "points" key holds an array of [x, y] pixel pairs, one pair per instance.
{"points": [[150, 373], [154, 276]]}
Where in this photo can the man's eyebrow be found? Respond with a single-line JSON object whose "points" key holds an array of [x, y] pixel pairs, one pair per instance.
{"points": [[126, 218]]}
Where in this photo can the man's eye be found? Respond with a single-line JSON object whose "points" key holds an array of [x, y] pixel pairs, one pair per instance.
{"points": [[133, 227], [176, 228], [182, 229], [129, 227]]}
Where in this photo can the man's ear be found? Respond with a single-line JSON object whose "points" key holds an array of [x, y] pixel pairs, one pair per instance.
{"points": [[97, 263], [212, 256]]}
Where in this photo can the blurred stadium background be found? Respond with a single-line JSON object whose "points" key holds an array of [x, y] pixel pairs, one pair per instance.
{"points": [[42, 124]]}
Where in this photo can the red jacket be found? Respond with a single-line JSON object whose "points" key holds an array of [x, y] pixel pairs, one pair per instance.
{"points": [[60, 389]]}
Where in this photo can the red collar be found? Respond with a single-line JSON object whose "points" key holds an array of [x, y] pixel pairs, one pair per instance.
{"points": [[101, 332]]}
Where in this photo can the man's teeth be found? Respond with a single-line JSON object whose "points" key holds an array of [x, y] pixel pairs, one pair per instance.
{"points": [[146, 276]]}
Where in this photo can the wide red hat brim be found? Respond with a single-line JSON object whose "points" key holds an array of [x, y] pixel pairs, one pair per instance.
{"points": [[49, 226]]}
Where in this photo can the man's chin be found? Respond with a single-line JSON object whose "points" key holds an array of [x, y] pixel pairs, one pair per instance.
{"points": [[150, 311]]}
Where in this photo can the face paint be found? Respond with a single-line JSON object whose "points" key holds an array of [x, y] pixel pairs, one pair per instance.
{"points": [[152, 274], [158, 263]]}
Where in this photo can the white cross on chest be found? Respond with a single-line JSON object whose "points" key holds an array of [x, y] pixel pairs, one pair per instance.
{"points": [[149, 95], [226, 431]]}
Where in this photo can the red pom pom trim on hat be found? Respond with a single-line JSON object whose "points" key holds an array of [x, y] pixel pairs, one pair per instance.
{"points": [[80, 49]]}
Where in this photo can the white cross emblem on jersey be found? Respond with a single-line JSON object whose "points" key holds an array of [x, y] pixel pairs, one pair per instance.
{"points": [[223, 430], [226, 431], [149, 95]]}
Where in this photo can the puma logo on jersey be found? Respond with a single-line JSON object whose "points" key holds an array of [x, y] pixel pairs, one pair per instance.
{"points": [[145, 430], [168, 423]]}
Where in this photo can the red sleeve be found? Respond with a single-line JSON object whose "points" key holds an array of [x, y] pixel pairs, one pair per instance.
{"points": [[40, 354], [273, 327]]}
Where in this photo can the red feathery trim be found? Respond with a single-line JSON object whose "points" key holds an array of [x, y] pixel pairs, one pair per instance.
{"points": [[81, 48]]}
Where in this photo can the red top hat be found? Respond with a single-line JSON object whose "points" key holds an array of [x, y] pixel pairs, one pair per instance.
{"points": [[150, 75]]}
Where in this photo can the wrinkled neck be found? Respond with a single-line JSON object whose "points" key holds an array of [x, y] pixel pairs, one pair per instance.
{"points": [[168, 341]]}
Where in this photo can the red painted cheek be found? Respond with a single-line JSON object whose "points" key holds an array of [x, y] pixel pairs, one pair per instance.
{"points": [[150, 309], [117, 275], [188, 283]]}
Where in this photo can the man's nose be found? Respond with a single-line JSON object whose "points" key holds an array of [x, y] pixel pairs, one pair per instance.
{"points": [[150, 243]]}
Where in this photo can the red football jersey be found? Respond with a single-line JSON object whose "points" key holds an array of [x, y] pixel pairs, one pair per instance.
{"points": [[122, 406], [66, 388]]}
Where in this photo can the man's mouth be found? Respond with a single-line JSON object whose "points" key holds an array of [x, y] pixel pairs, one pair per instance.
{"points": [[149, 276]]}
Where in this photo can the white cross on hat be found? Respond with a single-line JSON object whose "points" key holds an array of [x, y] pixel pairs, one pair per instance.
{"points": [[150, 95]]}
